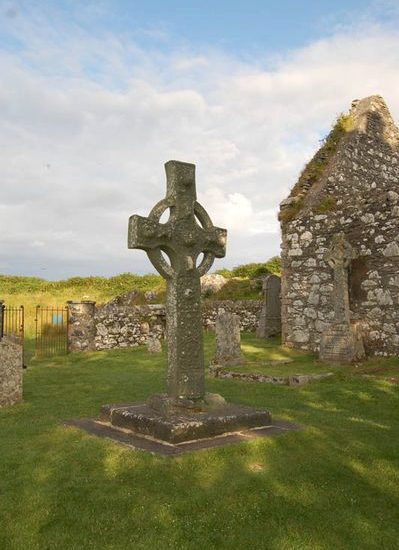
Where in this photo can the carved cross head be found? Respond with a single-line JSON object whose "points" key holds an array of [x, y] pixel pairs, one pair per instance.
{"points": [[340, 254], [175, 246]]}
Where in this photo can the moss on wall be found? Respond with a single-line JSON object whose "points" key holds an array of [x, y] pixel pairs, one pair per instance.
{"points": [[315, 169]]}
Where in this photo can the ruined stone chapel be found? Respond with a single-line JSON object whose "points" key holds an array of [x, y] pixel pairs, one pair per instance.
{"points": [[351, 188]]}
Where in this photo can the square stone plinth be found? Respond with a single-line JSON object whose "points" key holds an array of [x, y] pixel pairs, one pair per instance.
{"points": [[185, 425]]}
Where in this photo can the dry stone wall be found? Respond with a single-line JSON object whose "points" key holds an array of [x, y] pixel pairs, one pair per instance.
{"points": [[248, 312], [359, 189], [130, 326]]}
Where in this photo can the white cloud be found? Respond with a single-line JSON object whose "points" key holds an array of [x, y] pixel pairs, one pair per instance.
{"points": [[87, 123]]}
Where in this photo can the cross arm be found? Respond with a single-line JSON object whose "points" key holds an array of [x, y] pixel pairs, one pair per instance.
{"points": [[215, 241], [150, 235], [147, 234]]}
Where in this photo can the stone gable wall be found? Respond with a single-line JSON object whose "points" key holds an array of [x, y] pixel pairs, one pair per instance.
{"points": [[364, 181]]}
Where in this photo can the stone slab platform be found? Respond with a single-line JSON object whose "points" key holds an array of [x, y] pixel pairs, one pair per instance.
{"points": [[185, 424], [137, 442]]}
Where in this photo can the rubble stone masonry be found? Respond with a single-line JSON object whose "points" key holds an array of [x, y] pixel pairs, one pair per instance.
{"points": [[11, 368], [350, 186]]}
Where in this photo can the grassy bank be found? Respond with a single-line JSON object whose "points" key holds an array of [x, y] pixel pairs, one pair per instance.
{"points": [[32, 291], [334, 484], [16, 290]]}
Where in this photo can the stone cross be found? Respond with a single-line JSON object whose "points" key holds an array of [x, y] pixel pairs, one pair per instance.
{"points": [[339, 256], [174, 248], [342, 341]]}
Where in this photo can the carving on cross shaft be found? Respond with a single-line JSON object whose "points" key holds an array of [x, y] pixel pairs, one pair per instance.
{"points": [[339, 257], [188, 233]]}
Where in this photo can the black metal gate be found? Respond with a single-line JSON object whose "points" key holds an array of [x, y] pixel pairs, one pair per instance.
{"points": [[51, 331], [12, 321]]}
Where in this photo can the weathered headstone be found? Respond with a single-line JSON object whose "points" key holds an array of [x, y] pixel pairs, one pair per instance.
{"points": [[228, 338], [341, 342], [270, 315], [11, 368], [153, 345], [185, 412]]}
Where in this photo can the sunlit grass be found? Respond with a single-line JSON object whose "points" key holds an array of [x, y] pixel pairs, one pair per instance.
{"points": [[334, 484]]}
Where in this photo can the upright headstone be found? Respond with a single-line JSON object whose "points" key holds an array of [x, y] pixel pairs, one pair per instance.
{"points": [[341, 342], [185, 412], [11, 368], [228, 338], [270, 315], [154, 345]]}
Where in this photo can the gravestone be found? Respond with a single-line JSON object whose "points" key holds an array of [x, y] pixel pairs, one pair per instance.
{"points": [[11, 368], [185, 412], [228, 338], [270, 315], [153, 345], [342, 341]]}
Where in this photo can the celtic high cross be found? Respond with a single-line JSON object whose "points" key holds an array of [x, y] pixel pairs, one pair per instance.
{"points": [[339, 257], [187, 234]]}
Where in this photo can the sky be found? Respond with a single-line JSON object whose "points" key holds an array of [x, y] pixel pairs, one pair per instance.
{"points": [[96, 96]]}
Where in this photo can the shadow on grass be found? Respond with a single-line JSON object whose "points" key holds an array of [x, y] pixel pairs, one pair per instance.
{"points": [[332, 485]]}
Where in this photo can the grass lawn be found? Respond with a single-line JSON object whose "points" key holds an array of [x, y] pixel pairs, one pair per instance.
{"points": [[334, 484]]}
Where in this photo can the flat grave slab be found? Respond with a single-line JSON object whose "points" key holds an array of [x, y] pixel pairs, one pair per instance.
{"points": [[101, 428]]}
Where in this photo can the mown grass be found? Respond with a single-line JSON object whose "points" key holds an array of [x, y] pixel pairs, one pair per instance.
{"points": [[258, 355], [334, 484]]}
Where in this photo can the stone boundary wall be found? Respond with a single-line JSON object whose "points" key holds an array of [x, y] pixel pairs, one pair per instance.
{"points": [[248, 312], [128, 326], [11, 366], [114, 326]]}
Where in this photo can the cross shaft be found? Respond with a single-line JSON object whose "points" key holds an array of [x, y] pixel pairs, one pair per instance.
{"points": [[188, 233], [339, 257]]}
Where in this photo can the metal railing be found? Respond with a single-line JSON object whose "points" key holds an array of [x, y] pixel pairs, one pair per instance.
{"points": [[51, 331], [12, 321]]}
